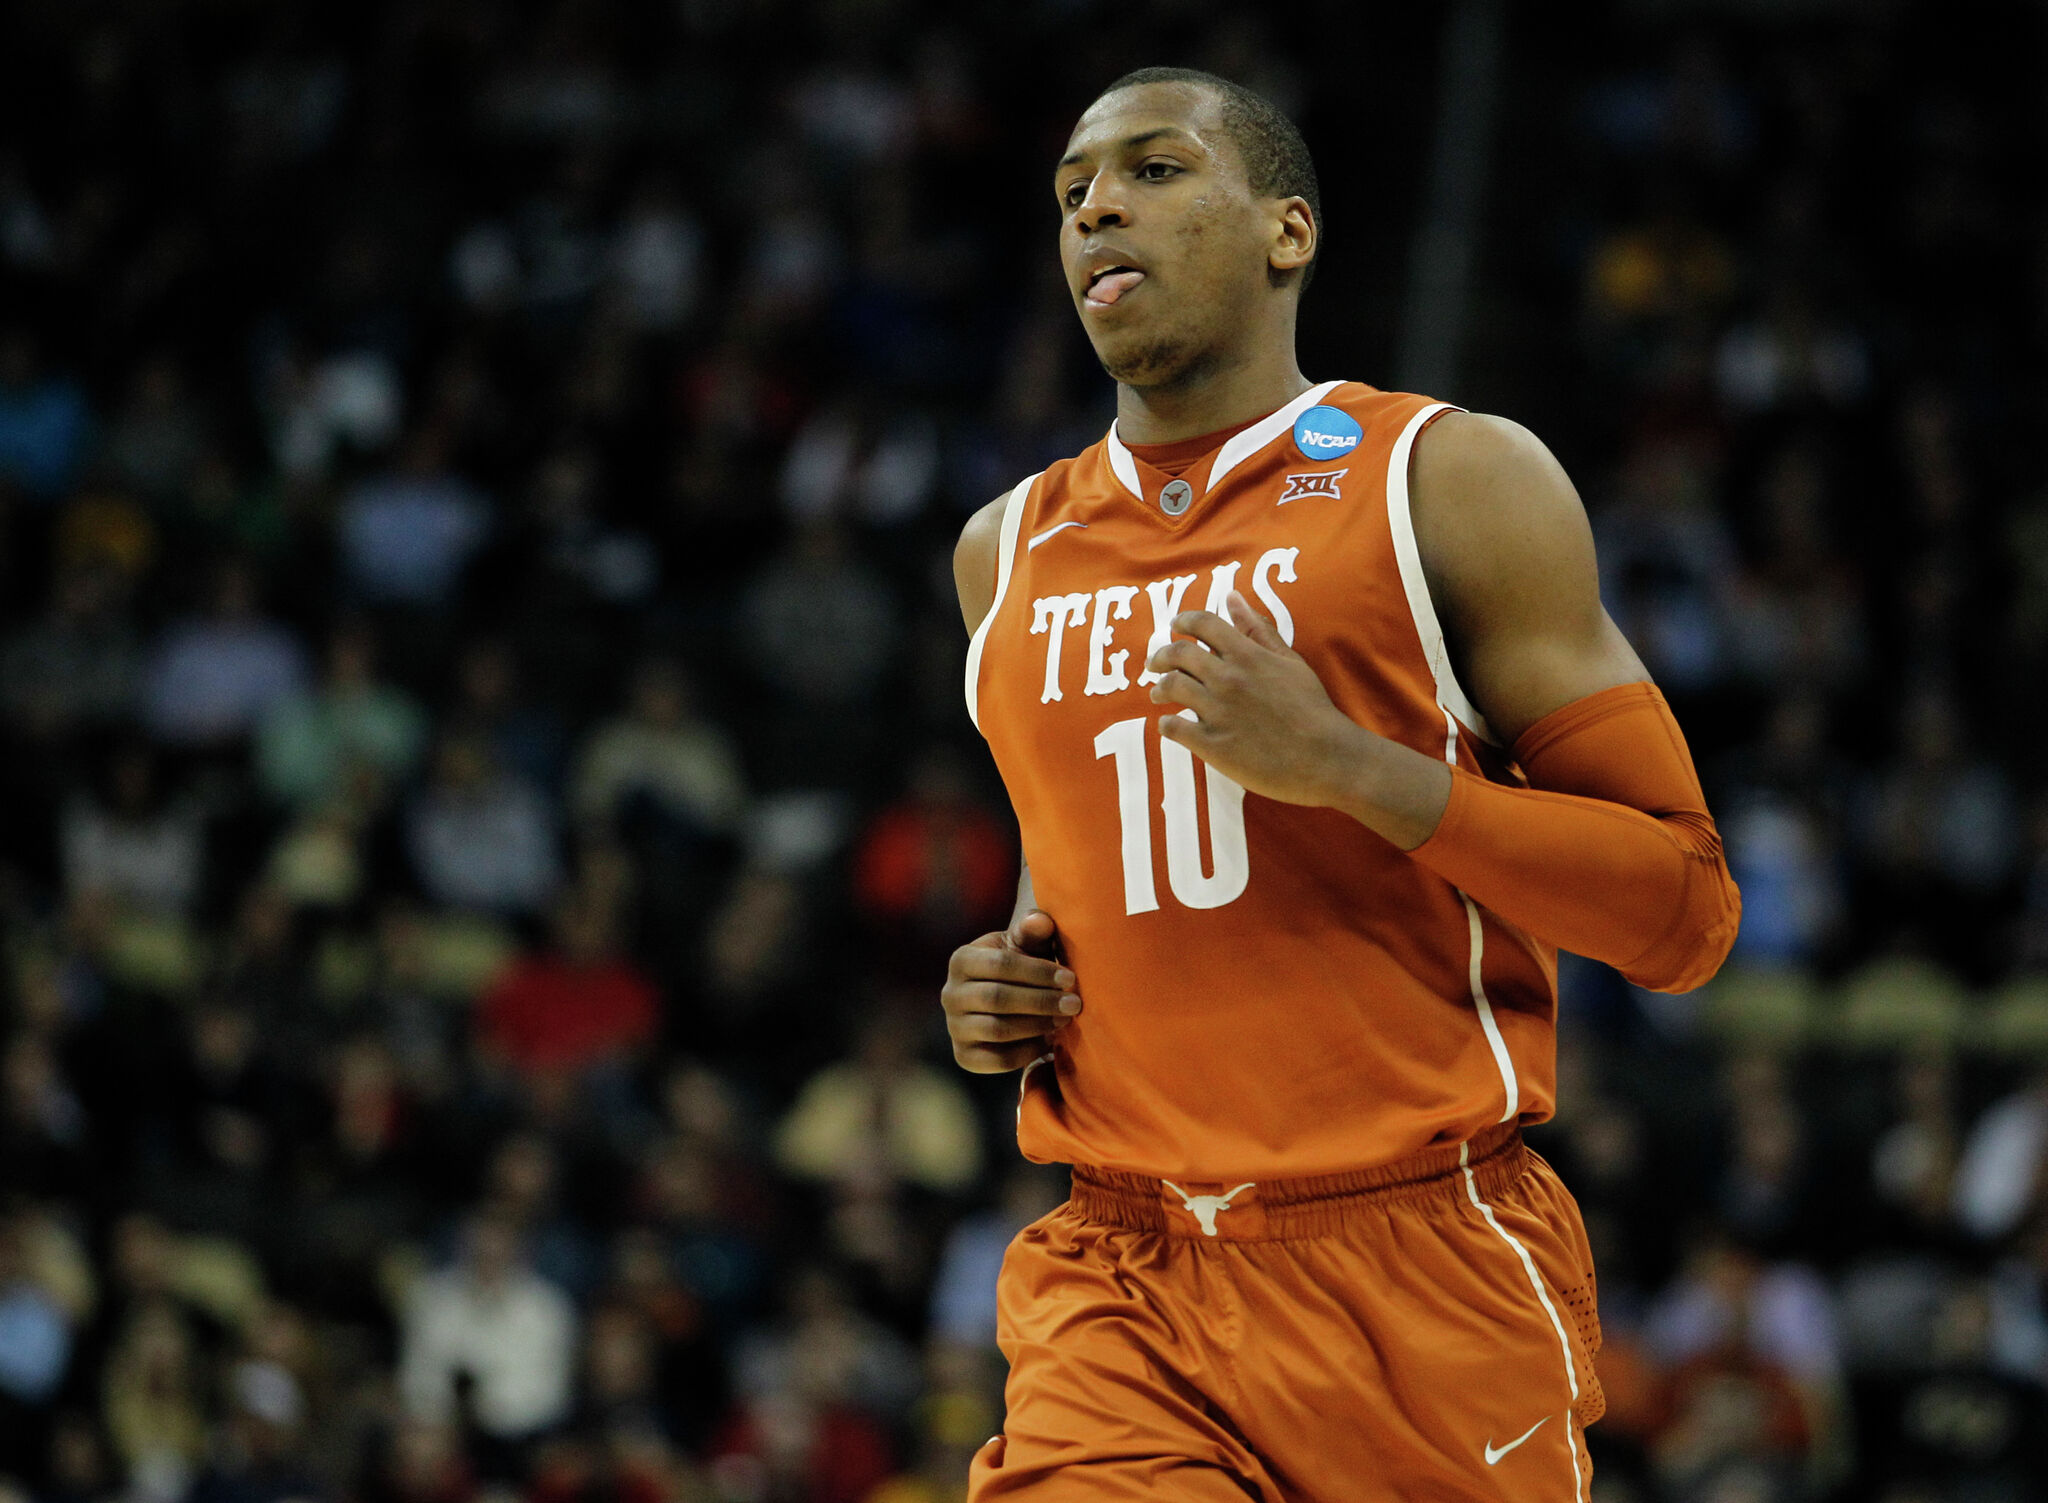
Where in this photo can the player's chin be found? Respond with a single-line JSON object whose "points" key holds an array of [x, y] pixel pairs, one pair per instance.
{"points": [[1141, 358]]}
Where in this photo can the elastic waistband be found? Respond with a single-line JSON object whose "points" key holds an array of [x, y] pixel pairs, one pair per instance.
{"points": [[1270, 1210]]}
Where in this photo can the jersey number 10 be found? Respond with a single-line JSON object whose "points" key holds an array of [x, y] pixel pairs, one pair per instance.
{"points": [[1125, 741]]}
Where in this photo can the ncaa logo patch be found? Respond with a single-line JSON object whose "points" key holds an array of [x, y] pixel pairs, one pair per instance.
{"points": [[1325, 433], [1314, 483]]}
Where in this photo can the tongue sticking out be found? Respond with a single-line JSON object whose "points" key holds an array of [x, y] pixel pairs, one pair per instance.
{"points": [[1107, 289]]}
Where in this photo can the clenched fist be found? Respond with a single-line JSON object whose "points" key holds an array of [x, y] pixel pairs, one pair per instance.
{"points": [[1263, 719], [1006, 994]]}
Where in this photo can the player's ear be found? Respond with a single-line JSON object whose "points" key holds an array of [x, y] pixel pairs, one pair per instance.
{"points": [[1295, 235]]}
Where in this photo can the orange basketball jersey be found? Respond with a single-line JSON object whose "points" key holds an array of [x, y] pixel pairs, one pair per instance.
{"points": [[1270, 991]]}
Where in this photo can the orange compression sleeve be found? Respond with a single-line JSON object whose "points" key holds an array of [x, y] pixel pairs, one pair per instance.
{"points": [[1609, 853]]}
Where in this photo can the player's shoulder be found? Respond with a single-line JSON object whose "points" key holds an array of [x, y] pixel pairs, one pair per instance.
{"points": [[1491, 506], [1473, 474], [981, 536], [1376, 408], [1472, 446], [977, 554]]}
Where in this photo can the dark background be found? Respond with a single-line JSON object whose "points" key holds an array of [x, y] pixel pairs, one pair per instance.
{"points": [[484, 793]]}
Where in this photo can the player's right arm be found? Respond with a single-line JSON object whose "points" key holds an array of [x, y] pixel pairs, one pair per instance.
{"points": [[1006, 993]]}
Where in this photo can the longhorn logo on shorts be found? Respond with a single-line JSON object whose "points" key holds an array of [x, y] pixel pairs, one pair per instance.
{"points": [[1206, 1208], [1325, 433]]}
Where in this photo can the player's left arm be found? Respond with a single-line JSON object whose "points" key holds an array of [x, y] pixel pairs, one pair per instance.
{"points": [[1610, 852]]}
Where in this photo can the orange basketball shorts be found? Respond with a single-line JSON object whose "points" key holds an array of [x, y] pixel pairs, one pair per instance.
{"points": [[1421, 1331]]}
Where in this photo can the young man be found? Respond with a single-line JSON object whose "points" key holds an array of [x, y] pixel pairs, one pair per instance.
{"points": [[1308, 861]]}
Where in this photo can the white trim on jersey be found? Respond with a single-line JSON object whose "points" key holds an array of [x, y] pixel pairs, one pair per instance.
{"points": [[1450, 694], [1264, 431], [1235, 452], [1511, 1088], [1006, 558], [1123, 465], [1025, 1080], [1571, 1368]]}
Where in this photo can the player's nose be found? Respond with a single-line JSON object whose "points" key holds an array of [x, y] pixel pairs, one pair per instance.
{"points": [[1105, 204]]}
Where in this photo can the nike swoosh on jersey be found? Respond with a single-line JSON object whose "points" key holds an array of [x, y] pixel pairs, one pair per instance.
{"points": [[1062, 527], [1494, 1454]]}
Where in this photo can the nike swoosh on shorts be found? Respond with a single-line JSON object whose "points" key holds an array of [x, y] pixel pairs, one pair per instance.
{"points": [[1493, 1454]]}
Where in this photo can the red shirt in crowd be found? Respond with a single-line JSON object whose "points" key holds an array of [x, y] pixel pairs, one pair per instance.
{"points": [[549, 1013]]}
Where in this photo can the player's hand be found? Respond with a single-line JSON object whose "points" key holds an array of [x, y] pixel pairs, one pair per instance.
{"points": [[1006, 994], [1263, 719]]}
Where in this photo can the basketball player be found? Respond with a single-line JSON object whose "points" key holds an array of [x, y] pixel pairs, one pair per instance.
{"points": [[1321, 746]]}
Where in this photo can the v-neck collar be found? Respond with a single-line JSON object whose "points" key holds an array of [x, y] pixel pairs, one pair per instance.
{"points": [[1233, 452]]}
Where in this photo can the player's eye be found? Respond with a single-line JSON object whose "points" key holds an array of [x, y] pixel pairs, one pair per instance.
{"points": [[1075, 192], [1158, 171]]}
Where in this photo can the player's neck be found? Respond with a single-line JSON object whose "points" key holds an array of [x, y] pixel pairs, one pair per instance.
{"points": [[1225, 395]]}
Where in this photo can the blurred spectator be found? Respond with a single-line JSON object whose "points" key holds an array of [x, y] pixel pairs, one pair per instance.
{"points": [[931, 867], [848, 463], [80, 1467], [1767, 1186], [657, 258], [226, 1109], [406, 536], [2018, 1292], [365, 1156], [963, 1298], [1789, 357], [135, 841], [785, 1444], [324, 409], [1666, 558], [42, 1123], [44, 420], [481, 837], [156, 439], [663, 759], [826, 1352], [579, 1005], [1940, 834], [35, 1352], [210, 679], [262, 1460], [152, 1401], [2030, 947], [78, 665], [697, 1217], [1955, 1422], [523, 1186], [422, 1463], [488, 695], [689, 1356], [355, 730], [820, 625], [1998, 1183], [581, 558], [1665, 268], [1757, 1368], [619, 1373], [882, 1113], [1779, 805], [489, 1340], [1797, 618], [1914, 1163]]}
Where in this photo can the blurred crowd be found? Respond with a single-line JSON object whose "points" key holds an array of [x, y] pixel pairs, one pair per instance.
{"points": [[486, 796]]}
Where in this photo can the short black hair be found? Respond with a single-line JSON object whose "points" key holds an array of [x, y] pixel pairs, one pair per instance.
{"points": [[1276, 159]]}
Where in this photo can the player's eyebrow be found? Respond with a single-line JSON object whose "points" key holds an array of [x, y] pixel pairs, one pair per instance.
{"points": [[1130, 143]]}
